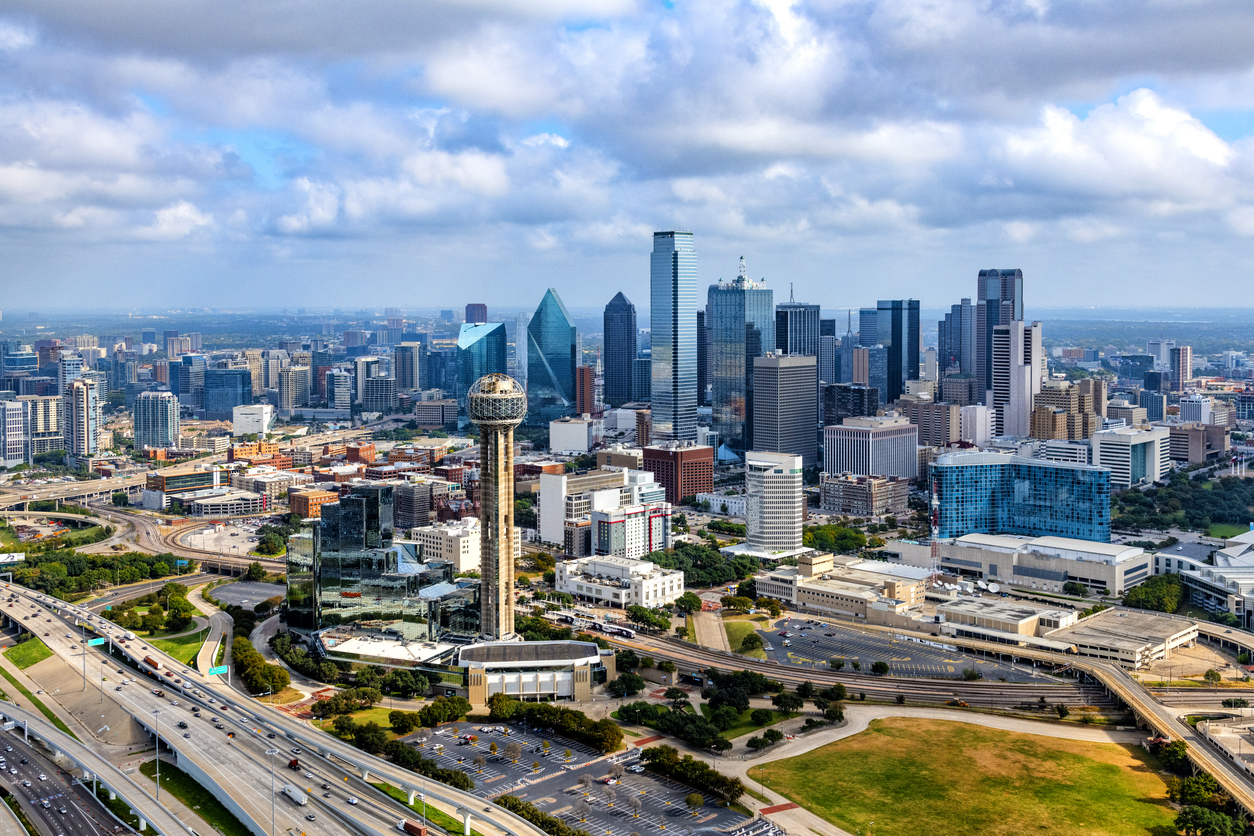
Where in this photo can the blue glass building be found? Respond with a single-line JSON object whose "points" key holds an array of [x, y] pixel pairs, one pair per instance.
{"points": [[226, 389], [551, 361], [481, 349], [620, 350], [897, 329], [741, 317], [989, 493], [673, 336]]}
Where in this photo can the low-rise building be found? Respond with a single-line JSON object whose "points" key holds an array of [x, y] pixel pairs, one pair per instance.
{"points": [[631, 530], [457, 542], [846, 585], [1130, 638], [863, 496], [619, 581], [574, 434], [1046, 563], [252, 419], [733, 506], [556, 670], [1195, 443], [308, 503], [224, 502]]}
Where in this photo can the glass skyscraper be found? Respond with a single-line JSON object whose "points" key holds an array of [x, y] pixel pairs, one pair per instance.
{"points": [[481, 349], [551, 360], [621, 334], [673, 336], [226, 389], [999, 301], [991, 493], [897, 329], [797, 329], [741, 317]]}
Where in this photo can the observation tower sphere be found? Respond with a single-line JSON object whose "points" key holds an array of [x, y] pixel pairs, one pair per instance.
{"points": [[496, 400]]}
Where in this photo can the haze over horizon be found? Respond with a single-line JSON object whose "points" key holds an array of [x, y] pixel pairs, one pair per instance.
{"points": [[234, 154]]}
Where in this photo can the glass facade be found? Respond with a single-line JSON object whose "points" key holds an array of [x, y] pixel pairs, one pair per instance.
{"points": [[989, 493], [226, 389], [797, 329], [673, 336], [481, 350], [741, 317], [551, 361], [620, 350], [897, 328]]}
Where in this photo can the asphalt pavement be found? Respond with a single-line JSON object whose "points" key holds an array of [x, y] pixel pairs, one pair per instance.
{"points": [[56, 803]]}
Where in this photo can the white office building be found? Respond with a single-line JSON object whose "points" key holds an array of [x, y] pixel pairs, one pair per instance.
{"points": [[619, 581], [1196, 409], [1018, 370], [975, 424], [572, 497], [774, 504], [732, 506], [156, 419], [1133, 456], [82, 419], [12, 433], [632, 530], [574, 434], [252, 419], [457, 543], [872, 446]]}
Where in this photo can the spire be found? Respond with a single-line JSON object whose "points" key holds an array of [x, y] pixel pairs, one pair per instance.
{"points": [[744, 273], [790, 299]]}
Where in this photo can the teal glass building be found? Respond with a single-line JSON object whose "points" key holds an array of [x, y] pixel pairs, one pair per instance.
{"points": [[551, 361], [740, 315], [481, 350], [673, 336], [990, 493]]}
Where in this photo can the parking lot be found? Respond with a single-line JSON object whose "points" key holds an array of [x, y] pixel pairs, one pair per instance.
{"points": [[247, 593], [904, 657], [235, 539], [602, 809]]}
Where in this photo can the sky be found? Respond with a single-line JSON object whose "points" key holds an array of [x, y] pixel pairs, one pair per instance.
{"points": [[391, 152]]}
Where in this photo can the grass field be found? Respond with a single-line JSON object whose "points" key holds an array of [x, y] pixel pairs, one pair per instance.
{"points": [[1226, 530], [184, 648], [28, 653], [181, 785], [744, 725], [378, 714], [436, 817], [901, 775], [740, 626]]}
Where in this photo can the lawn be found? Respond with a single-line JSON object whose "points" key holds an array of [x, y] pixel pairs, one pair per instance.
{"points": [[43, 709], [181, 785], [184, 648], [28, 653], [1225, 530], [378, 714], [738, 628], [744, 725], [945, 779], [439, 818]]}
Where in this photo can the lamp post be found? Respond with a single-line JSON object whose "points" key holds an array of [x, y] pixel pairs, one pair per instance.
{"points": [[272, 753], [156, 730]]}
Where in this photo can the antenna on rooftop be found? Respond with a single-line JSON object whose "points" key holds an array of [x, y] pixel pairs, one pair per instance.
{"points": [[744, 273], [790, 299]]}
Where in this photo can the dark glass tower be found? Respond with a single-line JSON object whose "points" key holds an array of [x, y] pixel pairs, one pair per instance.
{"points": [[551, 361], [673, 336], [999, 301], [480, 351], [797, 329], [898, 331], [226, 389], [621, 334], [741, 319]]}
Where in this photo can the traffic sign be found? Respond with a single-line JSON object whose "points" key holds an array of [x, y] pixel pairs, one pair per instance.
{"points": [[96, 642], [218, 670]]}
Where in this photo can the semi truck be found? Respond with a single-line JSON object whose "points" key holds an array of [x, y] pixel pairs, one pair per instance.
{"points": [[411, 827], [296, 794], [294, 763], [155, 664]]}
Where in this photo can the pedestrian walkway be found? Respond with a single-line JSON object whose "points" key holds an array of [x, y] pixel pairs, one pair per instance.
{"points": [[710, 631]]}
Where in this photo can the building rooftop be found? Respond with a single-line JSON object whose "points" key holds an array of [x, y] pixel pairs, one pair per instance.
{"points": [[496, 653], [1110, 553], [1129, 630], [998, 608]]}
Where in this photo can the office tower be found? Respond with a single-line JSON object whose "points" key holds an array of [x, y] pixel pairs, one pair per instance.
{"points": [[521, 321], [641, 379], [774, 502], [69, 369], [1017, 369], [294, 382], [321, 361], [673, 335], [364, 368], [868, 326], [82, 419], [1063, 407], [1133, 456], [703, 360], [476, 313], [195, 341], [148, 335], [976, 424], [877, 370], [407, 366], [929, 369], [741, 318], [13, 440], [551, 360], [585, 390], [339, 389], [1159, 381], [156, 417], [1095, 388], [897, 327], [999, 301], [849, 400], [827, 328], [785, 391], [1181, 367], [1160, 350], [379, 394], [955, 334], [939, 424], [621, 334], [797, 328], [42, 417], [481, 351], [497, 404], [252, 357], [829, 359], [166, 337], [226, 389], [1196, 443], [354, 338], [991, 493], [860, 366], [1154, 404], [872, 447], [683, 469]]}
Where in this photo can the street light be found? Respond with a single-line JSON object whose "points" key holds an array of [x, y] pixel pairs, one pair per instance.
{"points": [[272, 753], [156, 730]]}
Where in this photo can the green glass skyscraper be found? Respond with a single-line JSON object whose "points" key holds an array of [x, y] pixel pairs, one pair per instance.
{"points": [[481, 350], [551, 361]]}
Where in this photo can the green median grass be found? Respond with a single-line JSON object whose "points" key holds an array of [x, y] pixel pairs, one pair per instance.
{"points": [[43, 709], [29, 652], [744, 725], [1225, 530], [439, 818], [738, 628], [183, 787], [184, 648], [942, 778]]}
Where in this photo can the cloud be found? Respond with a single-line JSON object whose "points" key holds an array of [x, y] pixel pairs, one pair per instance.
{"points": [[176, 221]]}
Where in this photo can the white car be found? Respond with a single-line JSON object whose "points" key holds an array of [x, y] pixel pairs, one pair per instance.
{"points": [[352, 800]]}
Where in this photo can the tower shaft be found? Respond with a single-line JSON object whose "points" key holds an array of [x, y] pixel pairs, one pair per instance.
{"points": [[496, 530]]}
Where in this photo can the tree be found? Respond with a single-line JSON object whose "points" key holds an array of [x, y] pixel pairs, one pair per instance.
{"points": [[880, 668], [121, 500], [694, 801], [751, 642], [762, 717], [1062, 711], [1196, 790], [806, 690], [787, 701], [688, 602], [724, 717], [636, 805], [1198, 821], [1175, 756], [513, 751], [626, 685], [772, 736], [566, 754], [1212, 676], [834, 714], [479, 762], [666, 666], [586, 781], [256, 572], [370, 737], [675, 696], [582, 808], [616, 770], [492, 747], [971, 675], [535, 766]]}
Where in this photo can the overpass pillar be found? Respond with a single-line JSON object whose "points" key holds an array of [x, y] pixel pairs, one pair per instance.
{"points": [[412, 795], [365, 775], [113, 796], [143, 825], [465, 814]]}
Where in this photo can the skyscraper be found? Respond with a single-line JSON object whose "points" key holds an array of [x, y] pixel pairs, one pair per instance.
{"points": [[497, 404], [82, 419], [797, 328], [1181, 363], [703, 360], [673, 335], [621, 334], [897, 327], [407, 365], [785, 394], [741, 317], [476, 313], [999, 301], [551, 360], [954, 336], [481, 351], [226, 389], [156, 420], [585, 390], [1017, 371], [364, 368], [868, 324], [774, 502]]}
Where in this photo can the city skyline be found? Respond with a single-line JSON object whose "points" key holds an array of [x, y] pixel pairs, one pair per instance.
{"points": [[180, 159]]}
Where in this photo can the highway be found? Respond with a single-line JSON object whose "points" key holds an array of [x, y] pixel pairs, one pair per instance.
{"points": [[240, 765], [57, 802]]}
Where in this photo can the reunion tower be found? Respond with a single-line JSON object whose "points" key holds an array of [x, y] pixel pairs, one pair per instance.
{"points": [[496, 403]]}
